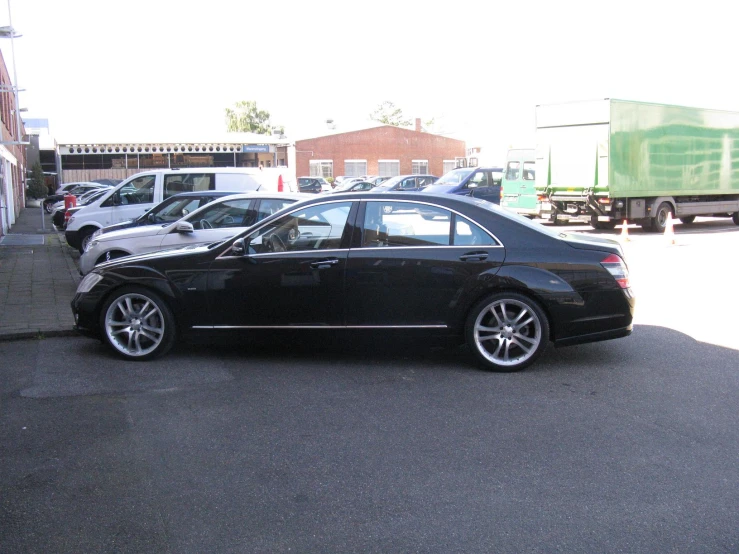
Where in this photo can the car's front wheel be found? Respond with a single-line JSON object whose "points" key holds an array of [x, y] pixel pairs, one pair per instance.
{"points": [[137, 323], [507, 331]]}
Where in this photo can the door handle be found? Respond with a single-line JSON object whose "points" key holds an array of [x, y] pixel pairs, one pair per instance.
{"points": [[474, 257], [324, 264]]}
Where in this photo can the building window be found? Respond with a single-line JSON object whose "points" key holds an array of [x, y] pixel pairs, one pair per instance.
{"points": [[420, 167], [388, 168], [355, 168], [448, 166], [321, 168]]}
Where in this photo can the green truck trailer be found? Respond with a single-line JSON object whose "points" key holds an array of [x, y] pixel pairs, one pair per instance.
{"points": [[605, 161]]}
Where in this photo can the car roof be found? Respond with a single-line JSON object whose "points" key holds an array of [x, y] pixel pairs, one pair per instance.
{"points": [[211, 193]]}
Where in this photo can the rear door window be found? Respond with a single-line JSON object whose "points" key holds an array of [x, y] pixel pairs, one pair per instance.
{"points": [[188, 182]]}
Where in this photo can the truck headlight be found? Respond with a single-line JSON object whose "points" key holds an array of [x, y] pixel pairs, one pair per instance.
{"points": [[91, 245]]}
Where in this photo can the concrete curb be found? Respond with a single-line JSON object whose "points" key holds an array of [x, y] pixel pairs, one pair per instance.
{"points": [[39, 335]]}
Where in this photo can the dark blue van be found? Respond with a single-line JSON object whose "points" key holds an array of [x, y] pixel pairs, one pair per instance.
{"points": [[480, 182]]}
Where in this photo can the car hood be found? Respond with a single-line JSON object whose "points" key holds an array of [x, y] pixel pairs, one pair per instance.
{"points": [[588, 242], [133, 232], [440, 189], [157, 255]]}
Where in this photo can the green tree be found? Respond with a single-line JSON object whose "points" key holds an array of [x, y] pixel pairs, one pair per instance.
{"points": [[388, 114], [246, 117], [37, 182]]}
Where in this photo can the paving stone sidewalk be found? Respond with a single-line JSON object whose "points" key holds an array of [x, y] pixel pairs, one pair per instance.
{"points": [[38, 278]]}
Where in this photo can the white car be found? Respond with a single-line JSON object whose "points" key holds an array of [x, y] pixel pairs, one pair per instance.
{"points": [[216, 221]]}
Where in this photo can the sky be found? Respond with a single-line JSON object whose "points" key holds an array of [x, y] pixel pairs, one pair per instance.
{"points": [[159, 69]]}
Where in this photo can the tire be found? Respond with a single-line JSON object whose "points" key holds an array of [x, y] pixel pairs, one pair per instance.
{"points": [[602, 225], [48, 207], [498, 340], [735, 218], [85, 237], [687, 219], [659, 221], [137, 338]]}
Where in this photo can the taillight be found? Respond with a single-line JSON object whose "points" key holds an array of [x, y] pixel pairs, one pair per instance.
{"points": [[616, 267]]}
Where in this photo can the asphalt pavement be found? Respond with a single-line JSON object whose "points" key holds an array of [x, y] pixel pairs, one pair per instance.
{"points": [[38, 278]]}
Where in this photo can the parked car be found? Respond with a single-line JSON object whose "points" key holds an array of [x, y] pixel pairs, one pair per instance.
{"points": [[355, 186], [76, 189], [139, 193], [220, 219], [60, 215], [377, 180], [313, 185], [480, 182], [406, 183], [168, 211], [335, 263]]}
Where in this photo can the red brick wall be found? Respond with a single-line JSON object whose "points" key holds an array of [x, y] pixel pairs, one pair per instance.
{"points": [[380, 143], [8, 132]]}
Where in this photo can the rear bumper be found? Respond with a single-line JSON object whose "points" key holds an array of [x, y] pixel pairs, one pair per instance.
{"points": [[595, 337]]}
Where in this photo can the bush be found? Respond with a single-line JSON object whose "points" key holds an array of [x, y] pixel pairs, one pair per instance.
{"points": [[36, 185]]}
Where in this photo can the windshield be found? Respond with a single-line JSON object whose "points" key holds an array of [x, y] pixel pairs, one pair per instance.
{"points": [[390, 183], [455, 176]]}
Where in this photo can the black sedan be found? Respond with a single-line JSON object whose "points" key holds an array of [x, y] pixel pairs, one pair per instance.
{"points": [[375, 262]]}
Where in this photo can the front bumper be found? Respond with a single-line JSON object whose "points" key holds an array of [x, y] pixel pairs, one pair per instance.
{"points": [[73, 238]]}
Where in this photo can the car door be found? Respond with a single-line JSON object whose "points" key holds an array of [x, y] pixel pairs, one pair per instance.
{"points": [[292, 275], [217, 221], [132, 200], [409, 268]]}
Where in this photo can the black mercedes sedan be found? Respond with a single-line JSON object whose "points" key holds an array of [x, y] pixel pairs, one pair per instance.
{"points": [[438, 264]]}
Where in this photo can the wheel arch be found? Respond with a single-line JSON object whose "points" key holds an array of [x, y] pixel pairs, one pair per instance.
{"points": [[149, 280]]}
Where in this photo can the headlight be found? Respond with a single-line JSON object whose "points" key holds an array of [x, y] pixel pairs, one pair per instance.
{"points": [[97, 233], [89, 281], [91, 244], [70, 220]]}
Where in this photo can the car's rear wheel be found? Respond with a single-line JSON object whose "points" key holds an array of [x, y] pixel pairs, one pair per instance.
{"points": [[507, 331], [137, 323], [735, 218], [687, 219], [48, 207]]}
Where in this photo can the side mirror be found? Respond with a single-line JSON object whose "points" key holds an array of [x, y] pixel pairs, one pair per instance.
{"points": [[184, 227], [116, 199], [238, 248]]}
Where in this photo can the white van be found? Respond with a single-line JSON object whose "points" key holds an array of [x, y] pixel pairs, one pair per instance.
{"points": [[141, 192]]}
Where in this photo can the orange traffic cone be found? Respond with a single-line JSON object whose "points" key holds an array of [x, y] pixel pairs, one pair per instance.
{"points": [[669, 229], [625, 231]]}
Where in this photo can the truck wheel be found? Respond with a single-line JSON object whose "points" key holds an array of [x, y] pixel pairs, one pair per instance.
{"points": [[601, 225], [735, 218], [659, 221], [687, 219]]}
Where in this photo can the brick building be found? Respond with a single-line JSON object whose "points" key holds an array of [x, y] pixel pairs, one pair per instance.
{"points": [[384, 150], [12, 153]]}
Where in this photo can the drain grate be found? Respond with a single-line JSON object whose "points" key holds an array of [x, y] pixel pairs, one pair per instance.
{"points": [[22, 240]]}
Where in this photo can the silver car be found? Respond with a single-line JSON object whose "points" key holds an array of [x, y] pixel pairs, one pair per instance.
{"points": [[216, 221]]}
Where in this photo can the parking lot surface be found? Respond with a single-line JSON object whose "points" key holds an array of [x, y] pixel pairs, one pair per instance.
{"points": [[282, 445]]}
